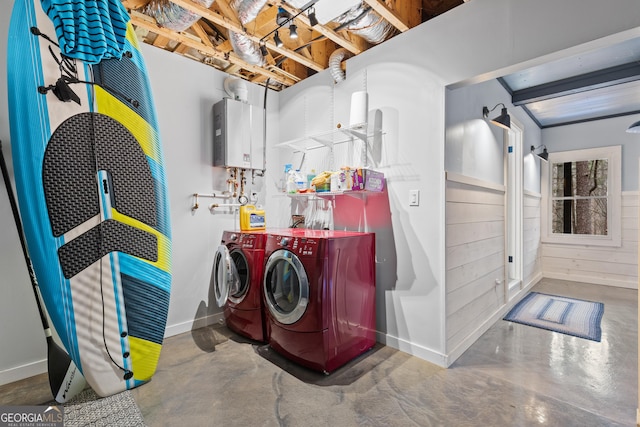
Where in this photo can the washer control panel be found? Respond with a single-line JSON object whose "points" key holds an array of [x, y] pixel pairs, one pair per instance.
{"points": [[301, 246], [248, 241]]}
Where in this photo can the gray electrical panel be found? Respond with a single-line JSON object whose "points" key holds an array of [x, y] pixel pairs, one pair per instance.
{"points": [[238, 135]]}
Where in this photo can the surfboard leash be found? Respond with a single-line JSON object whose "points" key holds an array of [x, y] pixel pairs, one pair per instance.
{"points": [[69, 76]]}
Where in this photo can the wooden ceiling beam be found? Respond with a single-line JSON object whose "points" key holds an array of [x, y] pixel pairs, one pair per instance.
{"points": [[227, 23], [144, 21], [381, 9], [134, 4], [410, 11], [161, 42], [197, 28], [226, 10]]}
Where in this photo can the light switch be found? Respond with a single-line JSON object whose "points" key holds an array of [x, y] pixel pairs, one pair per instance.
{"points": [[414, 197]]}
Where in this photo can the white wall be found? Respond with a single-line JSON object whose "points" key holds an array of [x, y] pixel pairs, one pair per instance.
{"points": [[612, 266], [411, 115], [475, 241], [600, 133], [474, 147], [406, 78], [475, 261], [184, 94]]}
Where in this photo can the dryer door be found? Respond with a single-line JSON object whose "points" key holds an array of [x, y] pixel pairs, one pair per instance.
{"points": [[286, 286], [225, 275]]}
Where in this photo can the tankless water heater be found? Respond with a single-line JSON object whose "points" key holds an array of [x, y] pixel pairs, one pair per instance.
{"points": [[238, 135]]}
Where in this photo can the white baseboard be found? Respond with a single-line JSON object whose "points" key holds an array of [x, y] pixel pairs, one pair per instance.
{"points": [[631, 284], [21, 372], [40, 367], [413, 349], [190, 325], [484, 327]]}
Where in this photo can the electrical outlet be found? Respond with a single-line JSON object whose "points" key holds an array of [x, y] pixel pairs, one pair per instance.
{"points": [[414, 197]]}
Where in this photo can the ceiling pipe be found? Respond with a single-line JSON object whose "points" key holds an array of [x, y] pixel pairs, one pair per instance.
{"points": [[366, 23], [335, 61], [169, 15], [243, 46]]}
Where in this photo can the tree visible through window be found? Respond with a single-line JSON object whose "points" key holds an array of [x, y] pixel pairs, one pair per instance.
{"points": [[579, 197]]}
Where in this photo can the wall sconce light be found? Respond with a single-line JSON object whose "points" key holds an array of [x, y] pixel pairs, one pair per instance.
{"points": [[634, 128], [544, 155], [503, 120], [313, 21], [277, 40], [293, 31]]}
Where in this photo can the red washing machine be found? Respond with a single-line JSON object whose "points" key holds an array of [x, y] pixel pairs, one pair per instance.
{"points": [[237, 280], [319, 292]]}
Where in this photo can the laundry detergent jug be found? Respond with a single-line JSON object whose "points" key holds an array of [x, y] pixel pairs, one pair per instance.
{"points": [[251, 219]]}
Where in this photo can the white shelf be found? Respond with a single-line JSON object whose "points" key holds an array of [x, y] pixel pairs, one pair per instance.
{"points": [[359, 194], [330, 138]]}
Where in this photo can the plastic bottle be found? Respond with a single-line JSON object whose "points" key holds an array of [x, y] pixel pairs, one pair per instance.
{"points": [[310, 177], [291, 182], [300, 180], [285, 178]]}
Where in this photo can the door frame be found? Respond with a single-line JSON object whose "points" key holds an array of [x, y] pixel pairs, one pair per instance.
{"points": [[513, 221]]}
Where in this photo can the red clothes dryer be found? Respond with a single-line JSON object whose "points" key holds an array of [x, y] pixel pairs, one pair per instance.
{"points": [[319, 293], [237, 280]]}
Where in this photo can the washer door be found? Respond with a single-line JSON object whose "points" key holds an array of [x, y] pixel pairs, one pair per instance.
{"points": [[241, 276], [286, 287], [225, 275]]}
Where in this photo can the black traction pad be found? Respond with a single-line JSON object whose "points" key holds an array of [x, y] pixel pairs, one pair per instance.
{"points": [[80, 147], [108, 236]]}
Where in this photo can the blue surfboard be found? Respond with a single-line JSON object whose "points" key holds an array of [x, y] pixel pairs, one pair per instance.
{"points": [[91, 186]]}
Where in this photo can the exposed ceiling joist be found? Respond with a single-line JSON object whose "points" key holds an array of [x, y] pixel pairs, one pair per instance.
{"points": [[227, 10], [197, 28], [144, 21], [229, 24], [382, 10], [207, 40]]}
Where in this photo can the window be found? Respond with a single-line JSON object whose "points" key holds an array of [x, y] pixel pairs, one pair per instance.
{"points": [[581, 197]]}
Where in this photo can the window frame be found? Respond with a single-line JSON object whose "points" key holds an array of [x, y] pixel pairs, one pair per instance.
{"points": [[613, 154]]}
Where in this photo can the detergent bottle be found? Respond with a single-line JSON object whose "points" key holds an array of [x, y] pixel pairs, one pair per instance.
{"points": [[251, 219]]}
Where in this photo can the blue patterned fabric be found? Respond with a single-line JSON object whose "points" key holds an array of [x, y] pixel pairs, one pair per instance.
{"points": [[89, 30]]}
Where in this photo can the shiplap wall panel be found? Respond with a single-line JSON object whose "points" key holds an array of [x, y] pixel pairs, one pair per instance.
{"points": [[605, 265], [458, 234], [474, 255], [462, 275], [473, 315], [462, 296], [472, 251]]}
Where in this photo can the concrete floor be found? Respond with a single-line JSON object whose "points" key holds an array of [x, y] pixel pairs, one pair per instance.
{"points": [[514, 375]]}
